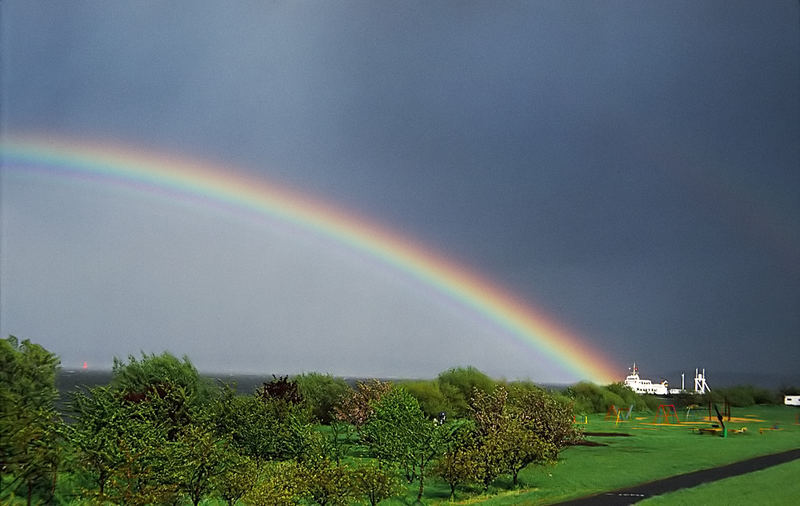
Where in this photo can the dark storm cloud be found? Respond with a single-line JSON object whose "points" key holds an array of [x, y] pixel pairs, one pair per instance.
{"points": [[629, 167]]}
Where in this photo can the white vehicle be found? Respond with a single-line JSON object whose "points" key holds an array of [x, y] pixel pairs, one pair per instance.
{"points": [[791, 400], [645, 386]]}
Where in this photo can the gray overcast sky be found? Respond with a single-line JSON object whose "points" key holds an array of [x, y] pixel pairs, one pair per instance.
{"points": [[630, 168]]}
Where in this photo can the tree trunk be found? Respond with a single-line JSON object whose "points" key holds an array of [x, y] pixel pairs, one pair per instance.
{"points": [[421, 478]]}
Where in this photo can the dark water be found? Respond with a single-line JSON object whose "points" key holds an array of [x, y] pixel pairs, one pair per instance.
{"points": [[68, 381], [71, 380]]}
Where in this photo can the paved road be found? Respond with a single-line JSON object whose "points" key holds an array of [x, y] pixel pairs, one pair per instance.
{"points": [[632, 495]]}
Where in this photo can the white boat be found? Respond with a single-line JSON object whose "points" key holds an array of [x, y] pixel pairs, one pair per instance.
{"points": [[645, 386]]}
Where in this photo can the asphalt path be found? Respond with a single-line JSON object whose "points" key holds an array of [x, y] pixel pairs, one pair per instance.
{"points": [[638, 493]]}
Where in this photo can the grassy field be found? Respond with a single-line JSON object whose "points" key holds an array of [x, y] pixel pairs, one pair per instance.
{"points": [[776, 486], [650, 452], [642, 451]]}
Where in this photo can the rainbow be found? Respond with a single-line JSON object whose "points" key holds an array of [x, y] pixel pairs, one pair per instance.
{"points": [[230, 188]]}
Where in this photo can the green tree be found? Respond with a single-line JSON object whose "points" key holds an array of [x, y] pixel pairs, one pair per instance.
{"points": [[237, 480], [142, 377], [429, 395], [457, 385], [322, 393], [375, 483], [548, 417], [197, 458], [30, 428], [280, 484], [326, 483], [458, 464], [399, 432], [143, 473], [100, 417], [264, 429]]}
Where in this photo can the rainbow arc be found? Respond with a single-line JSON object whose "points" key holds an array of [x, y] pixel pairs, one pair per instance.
{"points": [[231, 188]]}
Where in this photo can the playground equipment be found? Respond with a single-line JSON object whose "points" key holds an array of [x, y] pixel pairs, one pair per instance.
{"points": [[689, 409], [584, 422], [617, 415], [666, 411], [726, 409]]}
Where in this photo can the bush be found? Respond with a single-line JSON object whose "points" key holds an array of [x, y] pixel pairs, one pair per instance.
{"points": [[591, 398]]}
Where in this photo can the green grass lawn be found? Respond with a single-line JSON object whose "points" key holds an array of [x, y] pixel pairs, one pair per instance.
{"points": [[650, 453], [776, 485]]}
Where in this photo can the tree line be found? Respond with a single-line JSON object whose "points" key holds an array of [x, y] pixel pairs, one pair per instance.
{"points": [[159, 433]]}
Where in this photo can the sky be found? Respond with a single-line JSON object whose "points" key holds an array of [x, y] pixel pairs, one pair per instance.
{"points": [[629, 169]]}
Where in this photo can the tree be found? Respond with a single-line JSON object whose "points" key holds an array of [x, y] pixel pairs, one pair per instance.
{"points": [[530, 426], [263, 428], [505, 443], [458, 464], [549, 417], [429, 395], [142, 473], [172, 387], [139, 378], [99, 418], [326, 483], [457, 385], [398, 432], [198, 458], [376, 483], [322, 393], [280, 484], [355, 407], [30, 428], [237, 480]]}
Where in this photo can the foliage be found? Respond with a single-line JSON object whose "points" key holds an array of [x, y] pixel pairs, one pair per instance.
{"points": [[280, 484], [140, 378], [548, 417], [457, 385], [591, 398], [398, 432], [141, 472], [356, 405], [375, 483], [458, 463], [280, 390], [429, 395], [740, 396], [326, 483], [30, 428], [530, 427], [197, 458], [100, 419], [262, 428], [237, 479], [322, 393]]}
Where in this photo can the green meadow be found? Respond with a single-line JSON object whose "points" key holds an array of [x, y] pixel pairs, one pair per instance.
{"points": [[776, 485], [159, 433], [652, 452]]}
